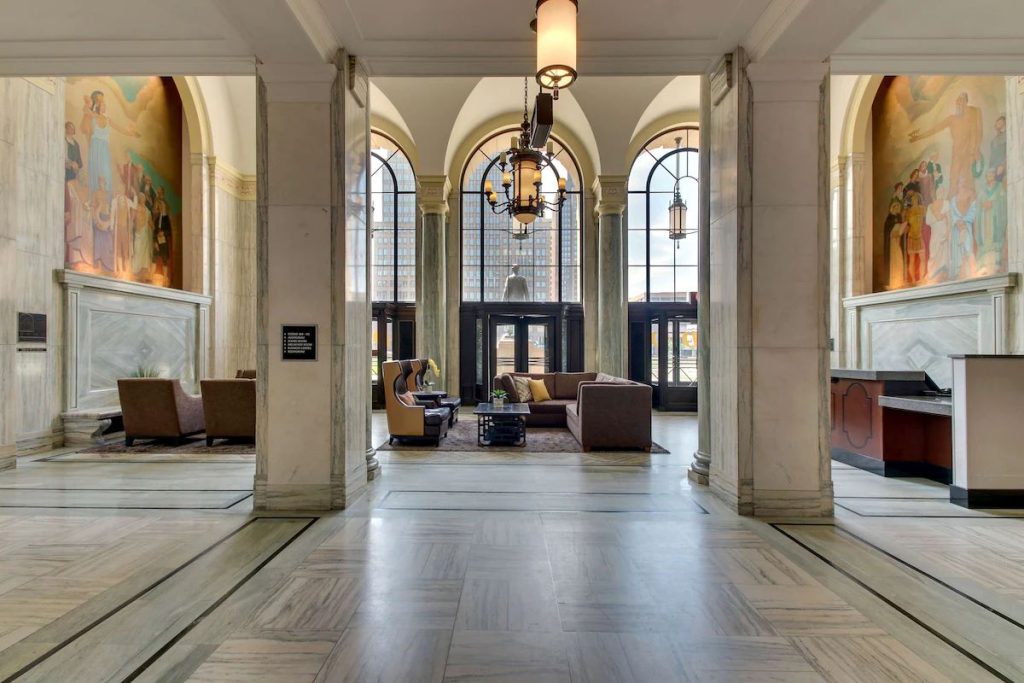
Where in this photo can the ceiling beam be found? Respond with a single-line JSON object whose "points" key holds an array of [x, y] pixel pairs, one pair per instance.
{"points": [[805, 30]]}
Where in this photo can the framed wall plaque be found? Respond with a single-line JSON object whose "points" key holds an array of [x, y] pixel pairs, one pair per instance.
{"points": [[298, 342], [31, 328]]}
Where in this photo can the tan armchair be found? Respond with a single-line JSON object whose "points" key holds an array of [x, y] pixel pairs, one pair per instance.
{"points": [[418, 420], [245, 374], [158, 409], [229, 406]]}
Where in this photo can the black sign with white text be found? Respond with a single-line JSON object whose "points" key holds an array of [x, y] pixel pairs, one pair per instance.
{"points": [[298, 342]]}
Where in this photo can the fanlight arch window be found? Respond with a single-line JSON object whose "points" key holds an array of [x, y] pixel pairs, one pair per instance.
{"points": [[549, 259], [662, 269], [393, 203]]}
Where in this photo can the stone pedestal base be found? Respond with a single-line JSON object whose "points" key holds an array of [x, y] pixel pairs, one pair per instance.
{"points": [[372, 464], [91, 427], [699, 468]]}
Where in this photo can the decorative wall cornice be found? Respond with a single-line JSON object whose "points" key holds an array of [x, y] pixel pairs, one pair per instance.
{"points": [[234, 182]]}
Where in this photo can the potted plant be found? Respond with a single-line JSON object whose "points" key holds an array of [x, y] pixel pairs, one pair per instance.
{"points": [[498, 397]]}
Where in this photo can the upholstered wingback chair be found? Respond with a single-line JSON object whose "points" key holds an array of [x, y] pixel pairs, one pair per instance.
{"points": [[406, 416], [158, 409], [230, 409], [419, 372]]}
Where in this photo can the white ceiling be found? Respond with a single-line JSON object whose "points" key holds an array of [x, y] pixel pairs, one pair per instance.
{"points": [[470, 37], [476, 38], [937, 36]]}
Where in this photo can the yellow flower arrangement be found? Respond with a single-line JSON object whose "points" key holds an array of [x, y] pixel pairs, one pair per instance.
{"points": [[432, 366]]}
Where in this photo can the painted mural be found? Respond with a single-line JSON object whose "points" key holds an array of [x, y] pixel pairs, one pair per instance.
{"points": [[123, 178], [939, 169]]}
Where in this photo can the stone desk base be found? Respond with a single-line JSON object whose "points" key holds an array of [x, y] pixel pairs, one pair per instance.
{"points": [[92, 426]]}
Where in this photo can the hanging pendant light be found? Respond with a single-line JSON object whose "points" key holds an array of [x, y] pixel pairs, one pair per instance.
{"points": [[522, 172], [556, 43], [677, 208]]}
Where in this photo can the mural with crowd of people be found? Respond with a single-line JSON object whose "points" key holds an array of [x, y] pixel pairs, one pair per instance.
{"points": [[939, 179], [123, 178]]}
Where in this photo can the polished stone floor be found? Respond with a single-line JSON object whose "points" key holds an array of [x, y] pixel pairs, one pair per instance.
{"points": [[501, 566]]}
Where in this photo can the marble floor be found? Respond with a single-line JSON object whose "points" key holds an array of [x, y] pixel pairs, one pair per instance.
{"points": [[501, 566]]}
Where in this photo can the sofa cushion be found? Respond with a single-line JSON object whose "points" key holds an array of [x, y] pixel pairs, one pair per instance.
{"points": [[566, 383], [435, 416], [538, 390], [505, 382], [553, 407], [548, 377], [604, 378], [522, 393]]}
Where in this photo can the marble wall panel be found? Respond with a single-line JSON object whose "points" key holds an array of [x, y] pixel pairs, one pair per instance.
{"points": [[31, 227], [921, 334], [234, 284], [117, 334]]}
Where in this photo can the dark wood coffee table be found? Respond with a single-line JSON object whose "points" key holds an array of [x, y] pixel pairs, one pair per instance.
{"points": [[505, 425]]}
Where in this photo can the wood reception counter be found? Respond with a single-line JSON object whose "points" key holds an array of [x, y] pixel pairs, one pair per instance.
{"points": [[893, 423]]}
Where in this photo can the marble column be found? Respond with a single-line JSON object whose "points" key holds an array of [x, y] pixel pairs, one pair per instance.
{"points": [[431, 272], [769, 291], [610, 207], [8, 312], [1015, 204], [700, 467], [312, 249]]}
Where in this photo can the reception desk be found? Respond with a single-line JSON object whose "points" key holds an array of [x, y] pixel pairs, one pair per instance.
{"points": [[892, 423], [988, 459]]}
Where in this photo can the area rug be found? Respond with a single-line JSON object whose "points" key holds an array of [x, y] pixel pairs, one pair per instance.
{"points": [[462, 437], [193, 450]]}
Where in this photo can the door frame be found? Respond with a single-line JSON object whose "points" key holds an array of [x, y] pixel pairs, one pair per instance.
{"points": [[665, 396]]}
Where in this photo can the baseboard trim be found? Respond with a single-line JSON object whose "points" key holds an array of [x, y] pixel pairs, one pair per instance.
{"points": [[987, 498], [921, 470], [297, 497]]}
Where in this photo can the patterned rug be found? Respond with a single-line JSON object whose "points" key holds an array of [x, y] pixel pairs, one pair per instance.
{"points": [[462, 437], [193, 450]]}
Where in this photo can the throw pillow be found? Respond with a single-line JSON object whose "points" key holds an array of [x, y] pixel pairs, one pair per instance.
{"points": [[407, 398], [509, 386], [539, 391], [522, 385]]}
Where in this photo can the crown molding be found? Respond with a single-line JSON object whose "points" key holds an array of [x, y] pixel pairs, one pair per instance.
{"points": [[133, 66]]}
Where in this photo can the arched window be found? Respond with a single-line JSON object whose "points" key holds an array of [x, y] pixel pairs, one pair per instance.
{"points": [[549, 259], [662, 269], [393, 188]]}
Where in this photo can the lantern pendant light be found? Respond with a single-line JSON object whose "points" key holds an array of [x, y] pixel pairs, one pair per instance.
{"points": [[677, 209], [556, 43]]}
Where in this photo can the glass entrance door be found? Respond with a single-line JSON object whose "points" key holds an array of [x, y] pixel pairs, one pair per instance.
{"points": [[663, 353], [392, 337], [522, 344]]}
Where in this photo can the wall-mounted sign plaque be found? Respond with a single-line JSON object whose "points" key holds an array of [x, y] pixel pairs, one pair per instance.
{"points": [[298, 342]]}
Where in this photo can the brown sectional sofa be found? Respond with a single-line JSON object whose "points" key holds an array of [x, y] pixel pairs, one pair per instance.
{"points": [[600, 410]]}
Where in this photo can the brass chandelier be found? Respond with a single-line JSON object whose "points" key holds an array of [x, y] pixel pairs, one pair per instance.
{"points": [[522, 172]]}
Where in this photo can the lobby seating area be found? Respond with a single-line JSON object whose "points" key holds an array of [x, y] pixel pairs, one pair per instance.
{"points": [[161, 409], [600, 410]]}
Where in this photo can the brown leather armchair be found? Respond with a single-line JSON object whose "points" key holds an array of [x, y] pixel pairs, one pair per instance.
{"points": [[416, 419], [229, 406], [419, 372], [158, 409]]}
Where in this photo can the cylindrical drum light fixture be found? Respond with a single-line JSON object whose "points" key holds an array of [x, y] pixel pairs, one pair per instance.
{"points": [[556, 43]]}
